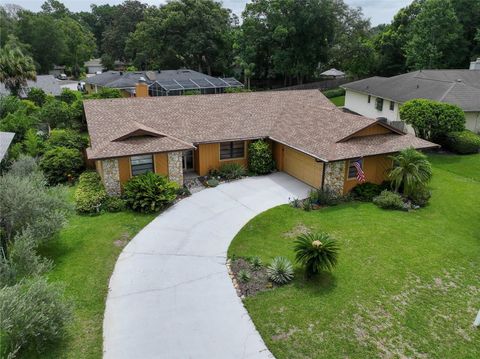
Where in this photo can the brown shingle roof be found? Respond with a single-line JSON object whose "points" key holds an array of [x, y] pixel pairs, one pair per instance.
{"points": [[305, 120]]}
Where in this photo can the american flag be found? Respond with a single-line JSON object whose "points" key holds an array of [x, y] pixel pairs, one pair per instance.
{"points": [[360, 174]]}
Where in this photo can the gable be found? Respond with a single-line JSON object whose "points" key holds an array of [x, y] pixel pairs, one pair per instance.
{"points": [[376, 129]]}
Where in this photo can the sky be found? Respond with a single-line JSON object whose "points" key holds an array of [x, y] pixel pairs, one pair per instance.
{"points": [[379, 11]]}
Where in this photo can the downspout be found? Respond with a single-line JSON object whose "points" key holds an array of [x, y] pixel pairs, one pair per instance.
{"points": [[323, 175]]}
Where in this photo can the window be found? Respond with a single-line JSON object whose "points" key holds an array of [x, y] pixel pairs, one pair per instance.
{"points": [[392, 105], [369, 98], [352, 170], [230, 150], [379, 104], [141, 164]]}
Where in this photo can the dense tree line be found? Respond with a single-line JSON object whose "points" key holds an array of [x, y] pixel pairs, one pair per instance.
{"points": [[276, 40]]}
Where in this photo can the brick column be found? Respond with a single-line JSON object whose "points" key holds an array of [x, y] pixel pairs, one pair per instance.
{"points": [[175, 167]]}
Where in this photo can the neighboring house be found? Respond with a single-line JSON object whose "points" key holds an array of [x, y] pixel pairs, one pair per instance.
{"points": [[311, 139], [57, 70], [333, 74], [93, 66], [47, 83], [5, 141], [160, 83], [380, 97]]}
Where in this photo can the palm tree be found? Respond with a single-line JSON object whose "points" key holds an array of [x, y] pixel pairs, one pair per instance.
{"points": [[15, 69], [316, 251], [411, 170]]}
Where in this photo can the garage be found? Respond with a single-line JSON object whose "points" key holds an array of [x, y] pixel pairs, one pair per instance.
{"points": [[302, 166]]}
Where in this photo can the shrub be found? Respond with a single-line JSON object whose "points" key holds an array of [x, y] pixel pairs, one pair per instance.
{"points": [[61, 164], [67, 138], [105, 92], [69, 96], [389, 200], [295, 203], [421, 197], [33, 144], [212, 182], [231, 171], [256, 263], [90, 193], [260, 158], [24, 166], [149, 192], [325, 197], [367, 191], [334, 93], [114, 204], [33, 314], [280, 271], [316, 252], [9, 104], [37, 96], [462, 142], [411, 171], [431, 119], [22, 261], [307, 205], [244, 276]]}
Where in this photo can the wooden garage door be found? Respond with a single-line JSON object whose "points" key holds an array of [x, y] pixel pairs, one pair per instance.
{"points": [[302, 166]]}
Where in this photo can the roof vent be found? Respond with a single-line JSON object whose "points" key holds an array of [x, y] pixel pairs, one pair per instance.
{"points": [[142, 79], [459, 80]]}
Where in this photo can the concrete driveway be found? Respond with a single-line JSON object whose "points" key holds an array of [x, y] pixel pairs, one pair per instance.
{"points": [[170, 294]]}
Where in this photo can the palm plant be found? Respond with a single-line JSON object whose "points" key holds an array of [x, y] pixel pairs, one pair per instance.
{"points": [[316, 252], [15, 69], [411, 170], [280, 271]]}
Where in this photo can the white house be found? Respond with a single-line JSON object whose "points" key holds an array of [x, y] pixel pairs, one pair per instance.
{"points": [[93, 66], [380, 97]]}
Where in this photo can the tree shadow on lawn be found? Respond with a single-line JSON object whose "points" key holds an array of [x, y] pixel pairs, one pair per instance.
{"points": [[321, 284]]}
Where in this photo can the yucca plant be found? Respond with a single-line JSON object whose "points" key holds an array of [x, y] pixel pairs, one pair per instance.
{"points": [[411, 170], [280, 271], [316, 252], [244, 276], [256, 263]]}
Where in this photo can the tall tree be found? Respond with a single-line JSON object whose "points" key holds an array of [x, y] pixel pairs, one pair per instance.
{"points": [[435, 37], [97, 20], [188, 33], [125, 19], [15, 69]]}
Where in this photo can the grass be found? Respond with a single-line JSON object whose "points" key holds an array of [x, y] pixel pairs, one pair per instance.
{"points": [[84, 255], [407, 284], [338, 101]]}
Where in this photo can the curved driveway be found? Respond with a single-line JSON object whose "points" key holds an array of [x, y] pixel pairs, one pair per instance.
{"points": [[170, 294]]}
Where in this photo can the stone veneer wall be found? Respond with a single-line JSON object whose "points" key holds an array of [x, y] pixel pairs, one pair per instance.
{"points": [[175, 167], [334, 176], [111, 177]]}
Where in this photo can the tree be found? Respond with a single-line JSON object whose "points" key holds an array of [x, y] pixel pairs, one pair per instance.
{"points": [[430, 119], [411, 171], [55, 8], [61, 164], [37, 96], [42, 32], [183, 33], [98, 20], [15, 69], [57, 114], [125, 19], [18, 122], [79, 42], [435, 37], [316, 252]]}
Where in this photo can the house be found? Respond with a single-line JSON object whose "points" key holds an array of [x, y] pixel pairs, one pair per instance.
{"points": [[57, 70], [47, 83], [380, 97], [311, 139], [93, 66], [5, 141], [160, 83]]}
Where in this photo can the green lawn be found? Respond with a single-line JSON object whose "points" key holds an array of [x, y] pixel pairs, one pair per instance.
{"points": [[84, 255], [407, 284], [338, 101]]}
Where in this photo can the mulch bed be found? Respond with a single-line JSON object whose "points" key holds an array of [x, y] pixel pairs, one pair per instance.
{"points": [[258, 278]]}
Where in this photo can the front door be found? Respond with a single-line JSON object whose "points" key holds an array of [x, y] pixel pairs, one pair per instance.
{"points": [[187, 160]]}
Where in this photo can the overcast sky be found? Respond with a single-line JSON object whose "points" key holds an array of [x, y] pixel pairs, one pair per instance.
{"points": [[379, 11]]}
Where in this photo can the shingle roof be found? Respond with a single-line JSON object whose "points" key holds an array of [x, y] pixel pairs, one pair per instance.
{"points": [[459, 87], [305, 120], [47, 83], [125, 80], [5, 140]]}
